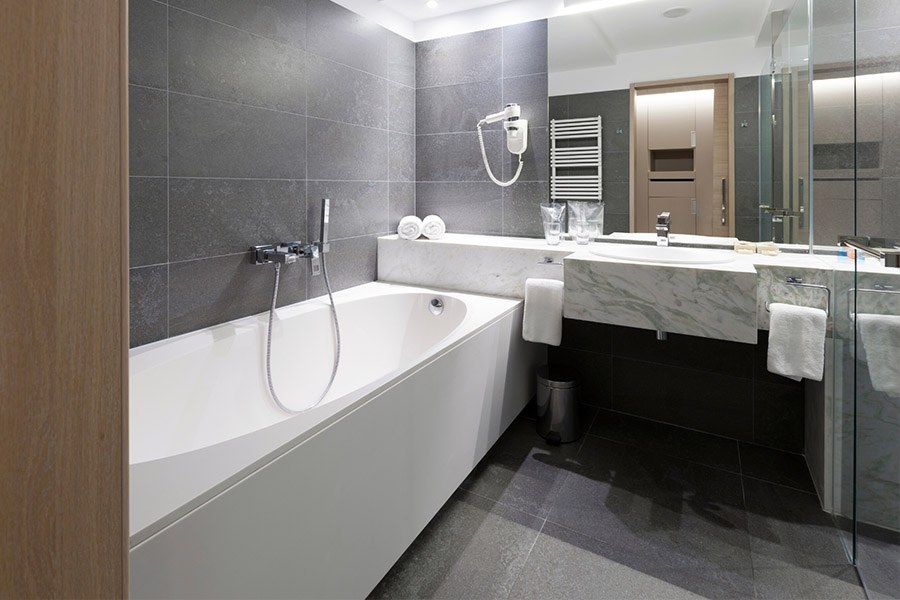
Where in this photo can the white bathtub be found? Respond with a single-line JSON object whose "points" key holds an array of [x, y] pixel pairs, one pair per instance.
{"points": [[230, 497]]}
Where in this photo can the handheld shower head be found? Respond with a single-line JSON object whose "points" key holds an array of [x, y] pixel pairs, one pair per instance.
{"points": [[323, 232]]}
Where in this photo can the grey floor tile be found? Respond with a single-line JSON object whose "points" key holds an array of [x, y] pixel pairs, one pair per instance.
{"points": [[522, 470], [788, 528], [819, 583], [775, 466], [710, 450], [473, 548], [879, 565], [565, 564]]}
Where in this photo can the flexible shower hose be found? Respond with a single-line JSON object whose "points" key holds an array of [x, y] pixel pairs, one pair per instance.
{"points": [[337, 343], [488, 166]]}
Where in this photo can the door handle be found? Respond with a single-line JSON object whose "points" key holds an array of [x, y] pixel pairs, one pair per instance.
{"points": [[801, 222], [724, 199]]}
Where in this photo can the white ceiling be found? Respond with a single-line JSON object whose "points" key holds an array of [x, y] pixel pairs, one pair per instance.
{"points": [[416, 10]]}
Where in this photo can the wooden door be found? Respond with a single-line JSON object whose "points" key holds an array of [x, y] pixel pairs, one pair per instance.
{"points": [[63, 298]]}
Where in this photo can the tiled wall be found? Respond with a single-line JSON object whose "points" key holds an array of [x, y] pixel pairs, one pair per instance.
{"points": [[613, 106], [243, 116], [461, 79], [709, 385]]}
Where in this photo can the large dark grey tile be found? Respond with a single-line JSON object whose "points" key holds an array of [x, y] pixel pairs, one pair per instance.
{"points": [[401, 108], [746, 200], [711, 402], [340, 93], [821, 583], [746, 94], [473, 548], [402, 202], [788, 528], [148, 221], [747, 228], [466, 207], [148, 304], [455, 108], [402, 157], [746, 129], [879, 564], [346, 37], [668, 440], [525, 48], [529, 92], [565, 564], [654, 512], [357, 208], [778, 412], [401, 60], [351, 262], [616, 198], [522, 208], [616, 166], [217, 61], [536, 159], [746, 164], [208, 138], [587, 335], [613, 222], [776, 466], [559, 107], [595, 370], [457, 157], [459, 59], [281, 20], [521, 470], [615, 136], [147, 151], [612, 105], [340, 151], [147, 43], [210, 291], [212, 217]]}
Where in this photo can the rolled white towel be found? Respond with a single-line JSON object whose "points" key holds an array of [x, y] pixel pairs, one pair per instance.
{"points": [[433, 227], [410, 228]]}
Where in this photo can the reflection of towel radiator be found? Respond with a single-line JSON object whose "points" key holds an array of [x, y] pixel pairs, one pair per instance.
{"points": [[798, 282], [587, 157], [878, 288]]}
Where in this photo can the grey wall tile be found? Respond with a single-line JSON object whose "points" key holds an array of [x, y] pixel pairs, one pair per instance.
{"points": [[778, 413], [357, 208], [217, 61], [281, 20], [559, 107], [147, 43], [146, 131], [746, 199], [401, 60], [148, 221], [148, 298], [615, 196], [209, 291], [459, 59], [595, 370], [401, 108], [345, 37], [466, 207], [209, 138], [616, 166], [522, 208], [402, 202], [612, 105], [351, 262], [339, 151], [615, 136], [536, 157], [212, 217], [746, 94], [456, 156], [340, 93], [749, 135], [525, 48], [747, 228], [746, 164], [456, 108], [402, 157], [613, 222], [529, 92]]}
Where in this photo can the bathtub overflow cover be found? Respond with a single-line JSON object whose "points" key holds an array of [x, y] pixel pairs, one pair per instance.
{"points": [[436, 306]]}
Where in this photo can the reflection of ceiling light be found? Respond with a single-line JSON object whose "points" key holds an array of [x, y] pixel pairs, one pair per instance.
{"points": [[674, 13], [432, 4], [576, 6]]}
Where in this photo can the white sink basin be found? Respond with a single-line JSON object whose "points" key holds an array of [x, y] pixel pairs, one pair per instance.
{"points": [[663, 254]]}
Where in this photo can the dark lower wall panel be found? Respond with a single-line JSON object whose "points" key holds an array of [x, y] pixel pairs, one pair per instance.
{"points": [[709, 385]]}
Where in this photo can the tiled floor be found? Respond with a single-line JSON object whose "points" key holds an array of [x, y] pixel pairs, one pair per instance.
{"points": [[633, 510]]}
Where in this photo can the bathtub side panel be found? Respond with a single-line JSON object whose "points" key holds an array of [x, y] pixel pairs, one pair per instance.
{"points": [[329, 518]]}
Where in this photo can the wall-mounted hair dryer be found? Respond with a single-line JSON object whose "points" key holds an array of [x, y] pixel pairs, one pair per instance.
{"points": [[516, 138]]}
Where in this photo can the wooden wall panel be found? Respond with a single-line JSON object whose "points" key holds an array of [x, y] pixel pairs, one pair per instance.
{"points": [[63, 298]]}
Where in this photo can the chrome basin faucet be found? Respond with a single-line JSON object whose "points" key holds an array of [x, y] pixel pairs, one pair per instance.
{"points": [[663, 222]]}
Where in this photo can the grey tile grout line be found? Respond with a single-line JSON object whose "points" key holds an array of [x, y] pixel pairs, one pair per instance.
{"points": [[524, 566], [168, 181]]}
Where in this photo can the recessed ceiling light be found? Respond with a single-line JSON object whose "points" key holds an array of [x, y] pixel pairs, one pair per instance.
{"points": [[432, 4], [674, 13]]}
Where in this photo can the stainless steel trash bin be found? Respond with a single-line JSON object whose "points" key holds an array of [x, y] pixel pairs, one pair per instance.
{"points": [[558, 389]]}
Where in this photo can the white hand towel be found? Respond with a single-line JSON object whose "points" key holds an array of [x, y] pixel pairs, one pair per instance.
{"points": [[543, 311], [797, 341], [433, 227], [881, 340], [410, 228]]}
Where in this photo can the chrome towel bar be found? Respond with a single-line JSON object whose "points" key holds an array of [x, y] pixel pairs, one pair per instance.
{"points": [[798, 282]]}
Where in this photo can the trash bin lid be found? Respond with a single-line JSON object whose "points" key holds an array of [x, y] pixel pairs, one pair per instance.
{"points": [[558, 376]]}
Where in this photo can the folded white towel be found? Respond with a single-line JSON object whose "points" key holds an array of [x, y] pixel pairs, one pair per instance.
{"points": [[433, 227], [881, 340], [797, 341], [543, 311], [410, 228]]}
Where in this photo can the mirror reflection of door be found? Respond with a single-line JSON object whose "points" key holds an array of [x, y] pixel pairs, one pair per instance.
{"points": [[683, 155]]}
